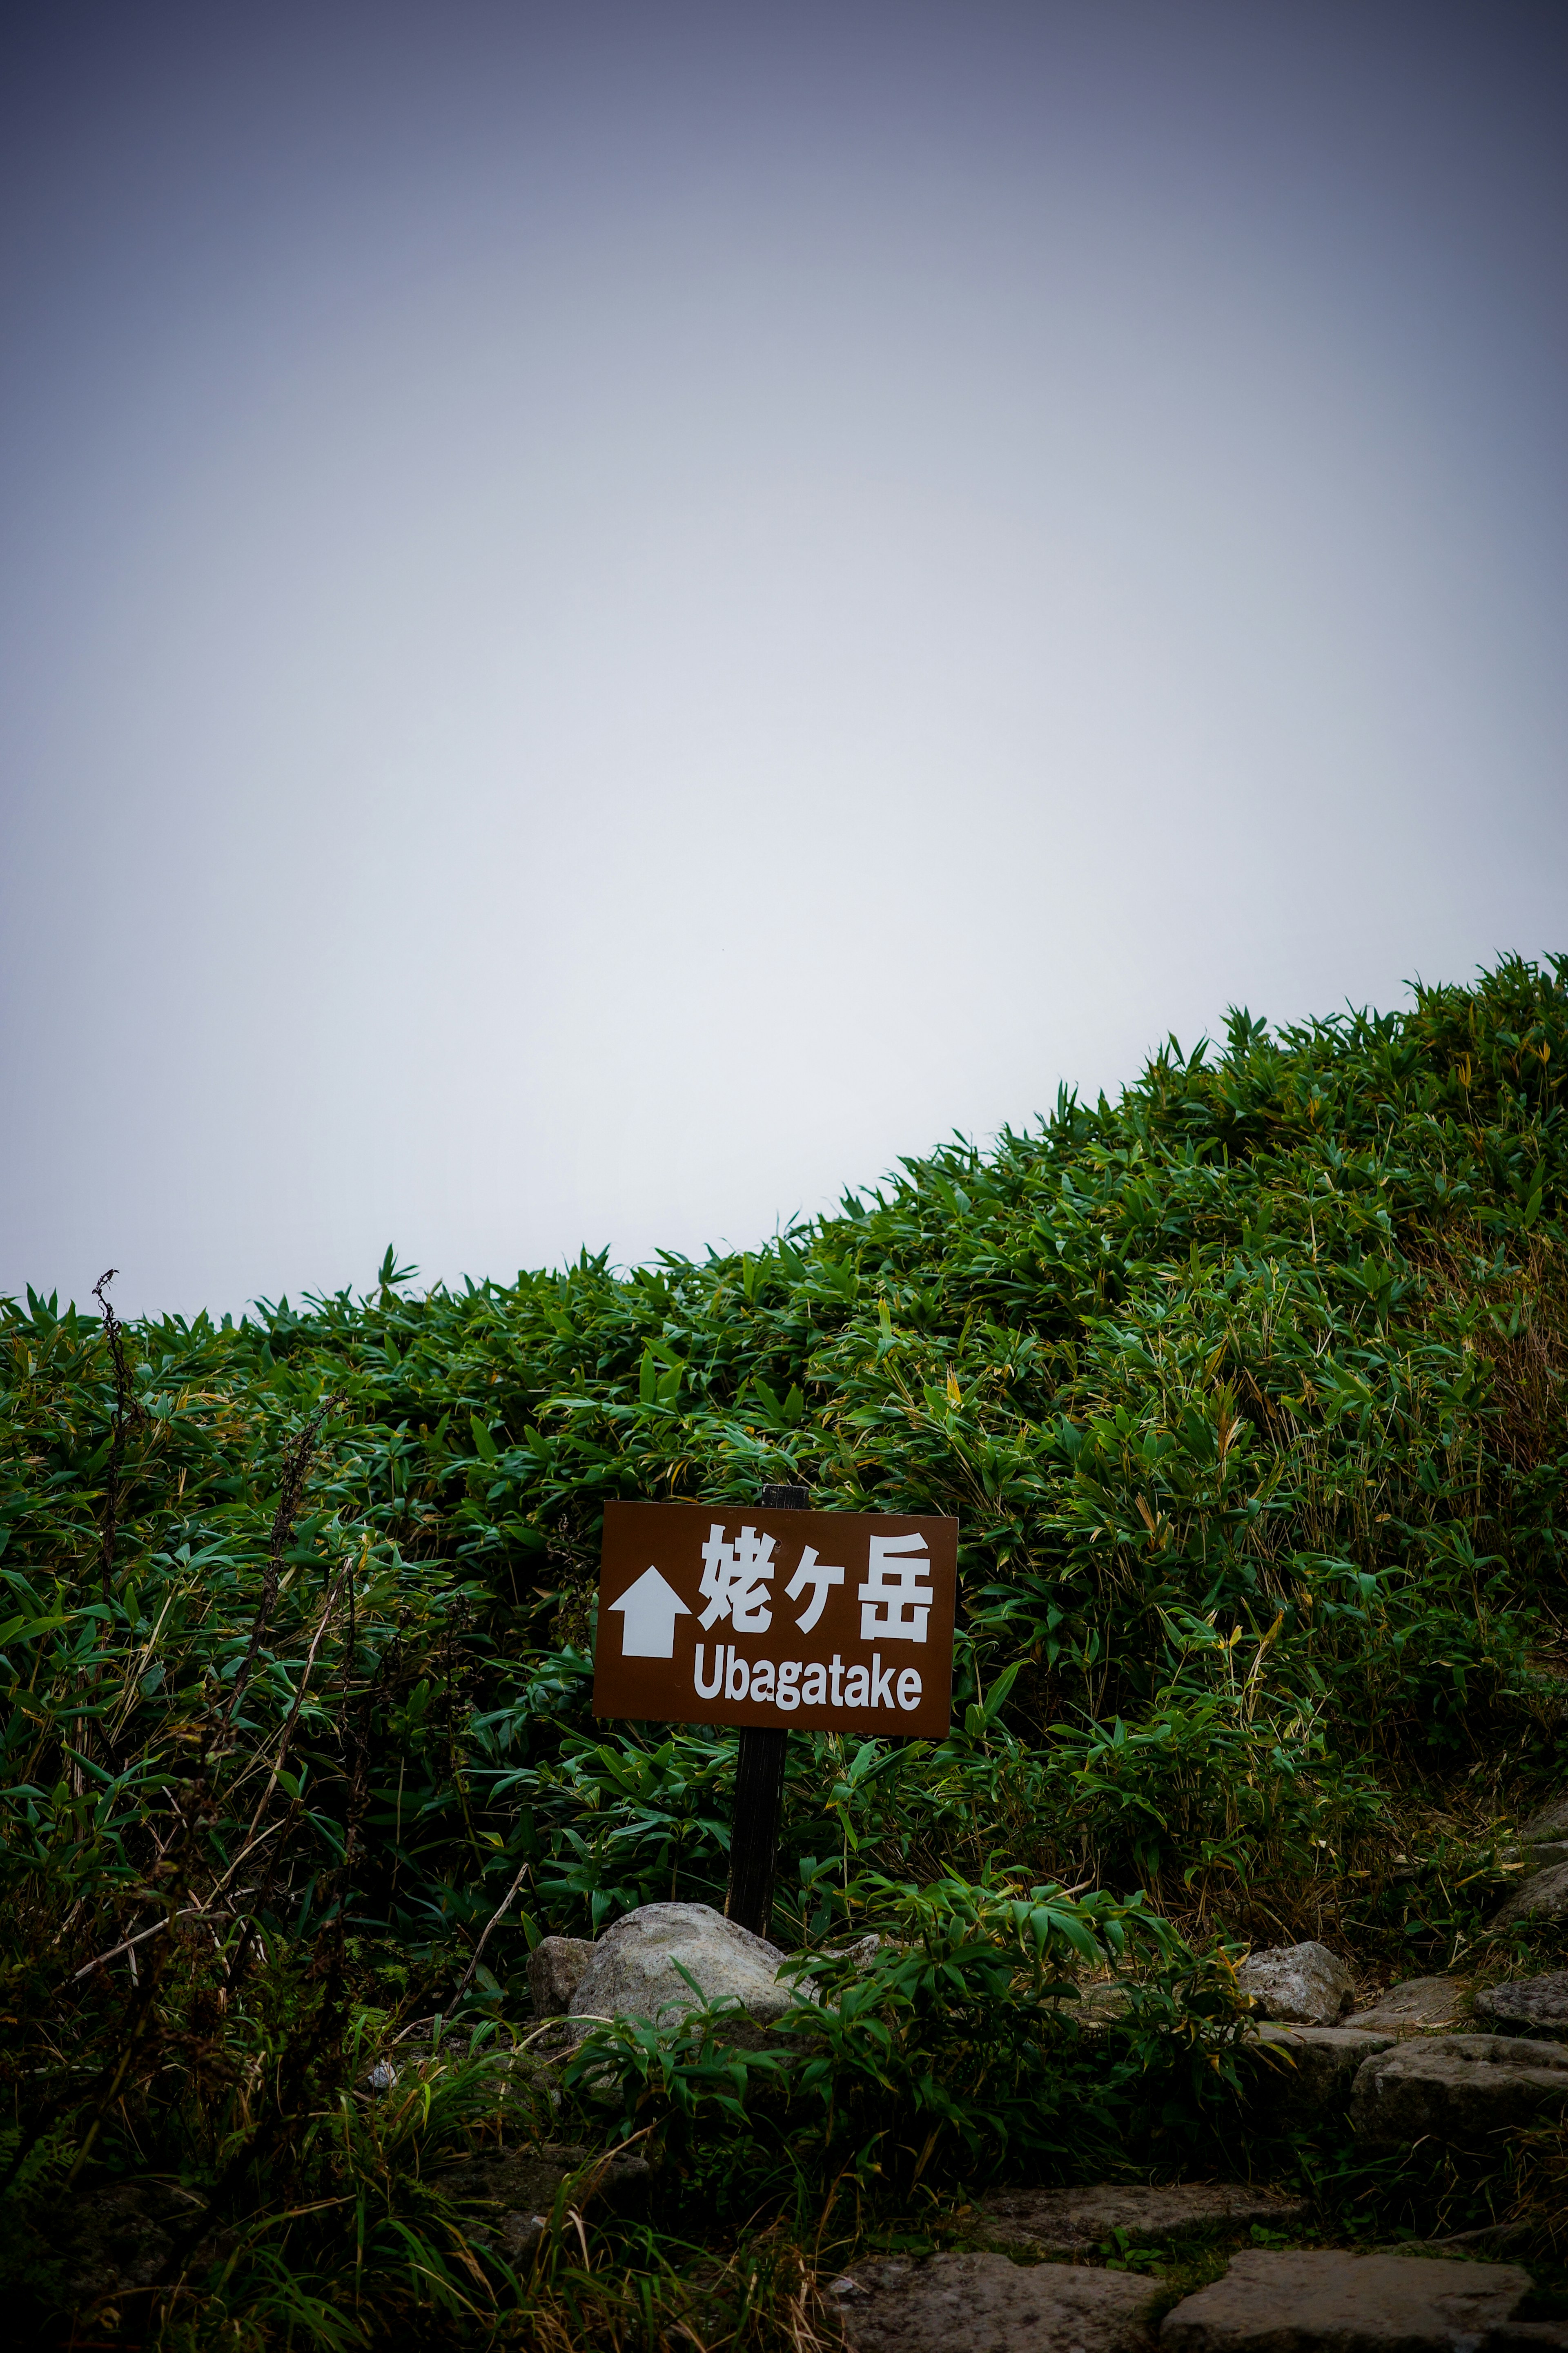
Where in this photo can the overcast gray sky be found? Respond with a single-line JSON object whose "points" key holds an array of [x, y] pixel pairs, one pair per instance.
{"points": [[612, 616]]}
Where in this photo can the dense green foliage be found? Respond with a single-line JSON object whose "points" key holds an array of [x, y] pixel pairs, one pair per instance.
{"points": [[1246, 1391]]}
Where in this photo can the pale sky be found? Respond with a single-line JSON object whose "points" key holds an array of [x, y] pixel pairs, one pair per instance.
{"points": [[612, 617]]}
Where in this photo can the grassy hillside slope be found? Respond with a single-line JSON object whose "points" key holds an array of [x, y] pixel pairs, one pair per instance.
{"points": [[1246, 1391]]}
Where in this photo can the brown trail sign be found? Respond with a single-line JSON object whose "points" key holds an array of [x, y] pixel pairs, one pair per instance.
{"points": [[801, 1621], [776, 1620]]}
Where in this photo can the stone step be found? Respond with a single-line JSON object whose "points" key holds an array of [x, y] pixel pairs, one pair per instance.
{"points": [[1544, 1893], [1313, 2300], [1551, 1822], [1298, 2301], [950, 2304], [1527, 2005], [1419, 2006], [1543, 1896], [1314, 2070], [1460, 2089], [1076, 2221]]}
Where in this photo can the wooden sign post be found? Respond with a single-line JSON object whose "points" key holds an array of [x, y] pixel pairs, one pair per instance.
{"points": [[700, 1605], [759, 1790]]}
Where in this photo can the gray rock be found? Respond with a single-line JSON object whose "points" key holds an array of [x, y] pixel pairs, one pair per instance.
{"points": [[1301, 2302], [1419, 2006], [1075, 2221], [988, 2304], [1550, 1823], [117, 2239], [531, 2176], [1301, 1985], [518, 2235], [518, 2078], [501, 2184], [633, 1973], [1528, 2005], [527, 2088], [512, 2193], [1463, 2089], [556, 1970], [1543, 1894], [1101, 2004], [1312, 2070], [862, 1951]]}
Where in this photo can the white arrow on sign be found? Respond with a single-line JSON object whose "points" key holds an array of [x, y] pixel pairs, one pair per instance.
{"points": [[651, 1608]]}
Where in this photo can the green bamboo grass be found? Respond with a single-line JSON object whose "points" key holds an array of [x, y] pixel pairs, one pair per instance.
{"points": [[1246, 1391]]}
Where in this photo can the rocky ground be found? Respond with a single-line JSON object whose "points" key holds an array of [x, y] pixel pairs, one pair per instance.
{"points": [[1107, 2268], [1056, 2271], [1287, 2301]]}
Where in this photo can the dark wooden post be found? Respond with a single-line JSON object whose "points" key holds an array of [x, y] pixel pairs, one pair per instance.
{"points": [[759, 1785]]}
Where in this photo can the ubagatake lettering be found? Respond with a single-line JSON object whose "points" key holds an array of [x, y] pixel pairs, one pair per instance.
{"points": [[806, 1683]]}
